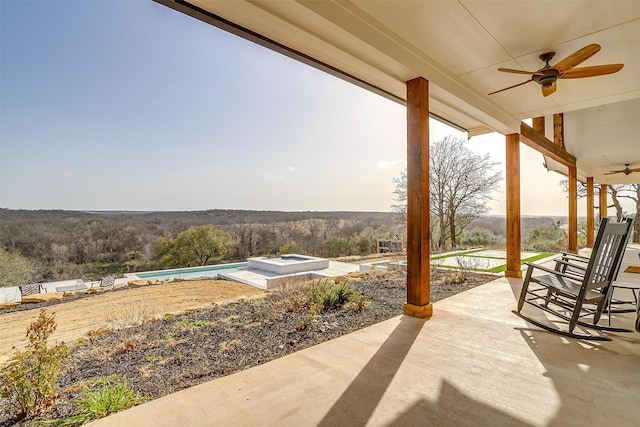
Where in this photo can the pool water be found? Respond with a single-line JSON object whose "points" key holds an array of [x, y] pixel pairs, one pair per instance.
{"points": [[192, 272]]}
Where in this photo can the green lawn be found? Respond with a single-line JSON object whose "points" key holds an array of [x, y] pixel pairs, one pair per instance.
{"points": [[495, 270]]}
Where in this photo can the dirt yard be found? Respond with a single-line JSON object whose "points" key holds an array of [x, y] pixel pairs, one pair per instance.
{"points": [[116, 309]]}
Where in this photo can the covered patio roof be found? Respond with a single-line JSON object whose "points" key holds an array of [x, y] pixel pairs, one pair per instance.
{"points": [[458, 46]]}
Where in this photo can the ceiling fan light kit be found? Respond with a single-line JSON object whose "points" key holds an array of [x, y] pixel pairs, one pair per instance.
{"points": [[547, 76]]}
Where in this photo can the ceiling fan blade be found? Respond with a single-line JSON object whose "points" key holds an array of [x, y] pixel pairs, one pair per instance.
{"points": [[510, 87], [511, 70], [546, 91], [635, 170], [614, 172], [577, 57], [598, 70]]}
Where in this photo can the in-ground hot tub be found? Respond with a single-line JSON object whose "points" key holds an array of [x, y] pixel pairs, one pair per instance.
{"points": [[288, 264]]}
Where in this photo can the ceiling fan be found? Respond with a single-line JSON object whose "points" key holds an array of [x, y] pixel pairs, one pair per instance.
{"points": [[546, 76], [625, 171]]}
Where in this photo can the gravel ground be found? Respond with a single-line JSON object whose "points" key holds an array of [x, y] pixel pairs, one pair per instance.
{"points": [[177, 352]]}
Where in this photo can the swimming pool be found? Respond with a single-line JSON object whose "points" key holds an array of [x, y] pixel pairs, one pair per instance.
{"points": [[191, 272]]}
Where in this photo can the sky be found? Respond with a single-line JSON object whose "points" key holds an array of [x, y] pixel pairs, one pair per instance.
{"points": [[129, 105]]}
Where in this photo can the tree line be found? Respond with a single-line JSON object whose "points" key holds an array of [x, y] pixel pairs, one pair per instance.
{"points": [[64, 245]]}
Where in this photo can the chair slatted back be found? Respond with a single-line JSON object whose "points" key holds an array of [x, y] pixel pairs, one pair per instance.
{"points": [[630, 221], [607, 251]]}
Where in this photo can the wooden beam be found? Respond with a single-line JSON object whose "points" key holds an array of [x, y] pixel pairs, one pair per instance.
{"points": [[558, 130], [538, 124], [603, 201], [590, 212], [418, 241], [513, 206], [573, 210], [540, 143]]}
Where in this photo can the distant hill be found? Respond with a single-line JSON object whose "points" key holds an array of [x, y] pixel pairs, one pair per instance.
{"points": [[213, 216]]}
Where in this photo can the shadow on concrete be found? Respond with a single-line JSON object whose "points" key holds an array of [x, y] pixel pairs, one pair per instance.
{"points": [[597, 383], [358, 402], [454, 408], [360, 399]]}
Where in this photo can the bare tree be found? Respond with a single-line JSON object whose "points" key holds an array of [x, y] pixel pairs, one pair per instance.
{"points": [[400, 208], [632, 192], [617, 192], [461, 183], [467, 182]]}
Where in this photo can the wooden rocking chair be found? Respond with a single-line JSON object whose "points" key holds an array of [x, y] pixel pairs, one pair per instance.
{"points": [[571, 296]]}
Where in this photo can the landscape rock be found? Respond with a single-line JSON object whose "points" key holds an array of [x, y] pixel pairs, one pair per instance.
{"points": [[138, 283], [44, 297], [8, 305]]}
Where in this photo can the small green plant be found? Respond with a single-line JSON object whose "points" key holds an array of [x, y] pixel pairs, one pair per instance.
{"points": [[345, 292], [314, 310], [169, 335], [113, 396], [359, 302], [28, 380], [152, 358], [78, 344]]}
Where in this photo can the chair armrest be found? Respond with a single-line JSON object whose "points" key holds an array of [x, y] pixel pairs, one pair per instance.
{"points": [[574, 257], [554, 272]]}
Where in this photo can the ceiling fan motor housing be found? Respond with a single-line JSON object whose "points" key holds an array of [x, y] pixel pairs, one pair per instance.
{"points": [[549, 76]]}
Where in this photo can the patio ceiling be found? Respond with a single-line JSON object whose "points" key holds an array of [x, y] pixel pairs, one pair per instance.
{"points": [[458, 46]]}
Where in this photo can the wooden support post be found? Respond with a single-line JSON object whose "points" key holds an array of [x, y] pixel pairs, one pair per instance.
{"points": [[573, 210], [590, 212], [538, 124], [603, 201], [558, 129], [513, 205], [418, 240]]}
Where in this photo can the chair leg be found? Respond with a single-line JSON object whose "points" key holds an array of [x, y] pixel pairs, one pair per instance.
{"points": [[574, 318], [525, 286], [600, 307]]}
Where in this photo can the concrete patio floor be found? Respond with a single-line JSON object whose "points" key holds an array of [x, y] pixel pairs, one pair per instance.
{"points": [[472, 363]]}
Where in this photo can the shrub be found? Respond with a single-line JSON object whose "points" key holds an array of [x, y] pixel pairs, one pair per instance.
{"points": [[345, 292], [114, 396], [28, 380], [291, 297], [547, 238], [328, 295], [15, 269], [289, 248], [481, 237]]}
